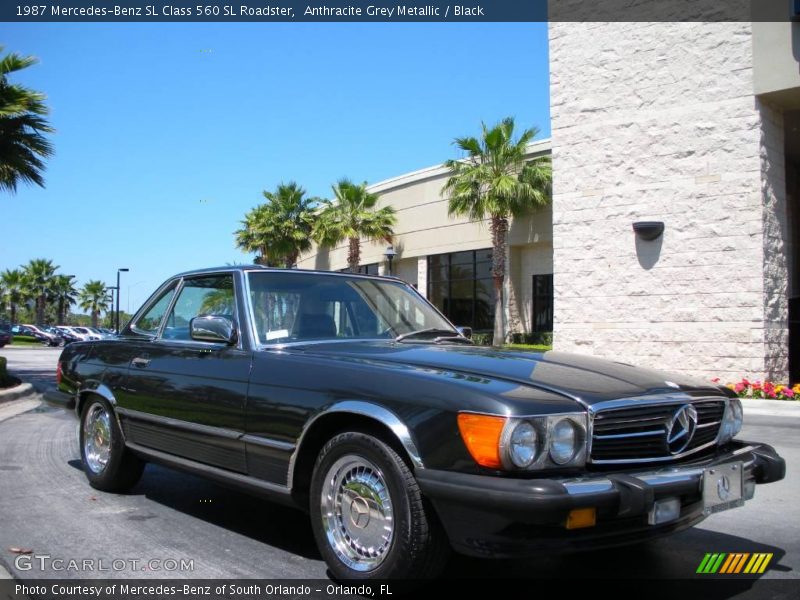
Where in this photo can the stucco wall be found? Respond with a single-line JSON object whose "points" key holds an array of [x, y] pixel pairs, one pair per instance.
{"points": [[658, 122]]}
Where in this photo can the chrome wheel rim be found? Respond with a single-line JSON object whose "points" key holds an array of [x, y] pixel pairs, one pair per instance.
{"points": [[97, 438], [357, 513]]}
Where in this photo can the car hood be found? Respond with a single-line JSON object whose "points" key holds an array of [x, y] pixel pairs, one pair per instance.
{"points": [[585, 379]]}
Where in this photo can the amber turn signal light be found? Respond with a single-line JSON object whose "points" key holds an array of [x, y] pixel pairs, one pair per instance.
{"points": [[481, 434], [581, 517]]}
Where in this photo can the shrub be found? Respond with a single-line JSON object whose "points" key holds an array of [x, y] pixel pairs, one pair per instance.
{"points": [[482, 339]]}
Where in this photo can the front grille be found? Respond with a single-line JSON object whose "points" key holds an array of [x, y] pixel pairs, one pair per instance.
{"points": [[638, 433]]}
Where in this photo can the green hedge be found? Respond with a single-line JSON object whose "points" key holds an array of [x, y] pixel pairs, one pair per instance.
{"points": [[4, 379], [544, 338]]}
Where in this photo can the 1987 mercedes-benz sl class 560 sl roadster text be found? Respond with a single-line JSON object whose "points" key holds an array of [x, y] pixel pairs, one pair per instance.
{"points": [[353, 398]]}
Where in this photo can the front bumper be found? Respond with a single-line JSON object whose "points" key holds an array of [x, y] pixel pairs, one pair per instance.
{"points": [[505, 517]]}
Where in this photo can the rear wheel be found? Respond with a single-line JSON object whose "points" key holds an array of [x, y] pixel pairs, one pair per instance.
{"points": [[108, 465], [368, 515]]}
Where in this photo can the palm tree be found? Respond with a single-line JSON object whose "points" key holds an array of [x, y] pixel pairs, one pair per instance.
{"points": [[14, 291], [351, 216], [65, 295], [94, 298], [23, 126], [39, 273], [495, 182], [280, 229]]}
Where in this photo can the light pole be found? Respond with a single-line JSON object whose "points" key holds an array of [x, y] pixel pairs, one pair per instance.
{"points": [[116, 328], [390, 254]]}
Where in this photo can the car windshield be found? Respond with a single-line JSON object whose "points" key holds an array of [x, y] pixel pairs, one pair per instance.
{"points": [[295, 306]]}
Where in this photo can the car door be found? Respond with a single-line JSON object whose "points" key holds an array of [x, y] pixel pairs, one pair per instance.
{"points": [[187, 397]]}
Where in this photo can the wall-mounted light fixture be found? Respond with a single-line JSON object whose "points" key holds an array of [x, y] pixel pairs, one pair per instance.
{"points": [[390, 254], [648, 230]]}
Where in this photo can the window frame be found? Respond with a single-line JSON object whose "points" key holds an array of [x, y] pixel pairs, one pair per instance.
{"points": [[181, 285]]}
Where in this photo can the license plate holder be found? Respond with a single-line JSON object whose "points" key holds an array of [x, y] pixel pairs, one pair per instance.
{"points": [[722, 487]]}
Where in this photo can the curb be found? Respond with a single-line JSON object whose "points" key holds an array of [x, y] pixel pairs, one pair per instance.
{"points": [[22, 390], [771, 408]]}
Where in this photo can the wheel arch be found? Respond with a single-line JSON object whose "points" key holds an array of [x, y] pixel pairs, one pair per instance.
{"points": [[347, 415]]}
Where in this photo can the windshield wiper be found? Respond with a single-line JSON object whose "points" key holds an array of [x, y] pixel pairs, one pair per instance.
{"points": [[454, 337]]}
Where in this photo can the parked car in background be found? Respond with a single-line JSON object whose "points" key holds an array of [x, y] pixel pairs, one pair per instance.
{"points": [[50, 339], [5, 334], [353, 398], [86, 334], [68, 335]]}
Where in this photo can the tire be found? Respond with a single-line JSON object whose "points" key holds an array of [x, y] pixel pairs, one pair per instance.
{"points": [[108, 465], [350, 524]]}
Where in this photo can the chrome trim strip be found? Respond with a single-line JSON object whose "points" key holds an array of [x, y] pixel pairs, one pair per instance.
{"points": [[366, 409], [179, 424], [220, 473], [268, 443], [704, 425], [651, 400], [618, 436], [631, 461], [589, 486]]}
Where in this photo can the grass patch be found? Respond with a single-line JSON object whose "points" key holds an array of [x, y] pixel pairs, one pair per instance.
{"points": [[25, 340], [529, 347]]}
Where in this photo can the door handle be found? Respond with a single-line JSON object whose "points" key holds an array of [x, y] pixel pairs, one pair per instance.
{"points": [[140, 362]]}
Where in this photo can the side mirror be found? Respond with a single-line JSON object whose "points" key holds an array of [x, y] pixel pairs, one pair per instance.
{"points": [[465, 331], [213, 329]]}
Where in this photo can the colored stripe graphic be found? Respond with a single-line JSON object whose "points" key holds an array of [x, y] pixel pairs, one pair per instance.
{"points": [[711, 563], [733, 563]]}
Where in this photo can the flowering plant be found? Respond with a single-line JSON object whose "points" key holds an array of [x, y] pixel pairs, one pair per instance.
{"points": [[764, 389]]}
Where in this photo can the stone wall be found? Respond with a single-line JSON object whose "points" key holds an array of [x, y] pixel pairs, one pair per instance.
{"points": [[657, 121]]}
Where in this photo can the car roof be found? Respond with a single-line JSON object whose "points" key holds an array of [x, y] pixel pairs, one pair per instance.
{"points": [[244, 268]]}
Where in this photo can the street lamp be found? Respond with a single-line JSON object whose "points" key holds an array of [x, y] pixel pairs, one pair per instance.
{"points": [[390, 254], [117, 311]]}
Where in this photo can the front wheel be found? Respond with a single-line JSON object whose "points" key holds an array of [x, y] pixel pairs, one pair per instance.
{"points": [[108, 465], [368, 515]]}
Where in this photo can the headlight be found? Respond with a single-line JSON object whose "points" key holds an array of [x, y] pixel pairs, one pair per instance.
{"points": [[523, 445], [731, 421], [527, 443], [563, 441]]}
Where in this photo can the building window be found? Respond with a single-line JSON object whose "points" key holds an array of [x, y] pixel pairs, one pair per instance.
{"points": [[542, 315], [370, 269], [460, 285]]}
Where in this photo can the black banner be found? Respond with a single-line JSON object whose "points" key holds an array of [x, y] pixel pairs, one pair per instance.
{"points": [[396, 10]]}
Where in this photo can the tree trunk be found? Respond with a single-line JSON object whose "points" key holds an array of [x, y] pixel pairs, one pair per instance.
{"points": [[40, 302], [13, 314], [291, 260], [60, 317], [354, 254], [94, 318], [499, 229]]}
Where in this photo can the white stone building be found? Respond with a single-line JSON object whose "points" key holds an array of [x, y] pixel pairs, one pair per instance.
{"points": [[694, 125]]}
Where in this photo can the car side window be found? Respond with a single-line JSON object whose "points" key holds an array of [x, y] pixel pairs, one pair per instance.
{"points": [[150, 321], [201, 296]]}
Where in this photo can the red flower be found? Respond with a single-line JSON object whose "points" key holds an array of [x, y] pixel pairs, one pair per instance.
{"points": [[738, 388], [788, 393], [715, 380]]}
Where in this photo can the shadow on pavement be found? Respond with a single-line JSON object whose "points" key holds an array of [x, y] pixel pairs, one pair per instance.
{"points": [[266, 522]]}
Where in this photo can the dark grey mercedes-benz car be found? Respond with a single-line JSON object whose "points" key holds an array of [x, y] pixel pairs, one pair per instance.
{"points": [[353, 398]]}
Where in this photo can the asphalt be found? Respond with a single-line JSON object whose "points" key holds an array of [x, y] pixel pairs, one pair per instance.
{"points": [[47, 507]]}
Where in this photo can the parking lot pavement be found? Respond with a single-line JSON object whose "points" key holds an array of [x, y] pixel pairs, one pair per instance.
{"points": [[47, 506], [34, 364]]}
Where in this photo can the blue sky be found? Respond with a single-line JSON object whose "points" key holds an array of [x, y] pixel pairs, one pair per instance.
{"points": [[167, 133]]}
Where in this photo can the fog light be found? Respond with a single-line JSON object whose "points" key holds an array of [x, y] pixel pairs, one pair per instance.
{"points": [[664, 511], [581, 517]]}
